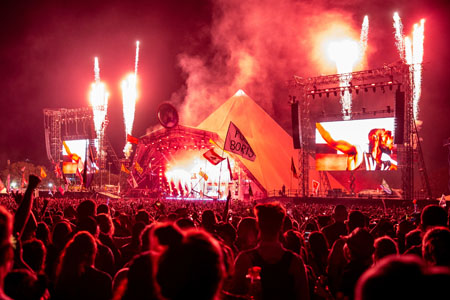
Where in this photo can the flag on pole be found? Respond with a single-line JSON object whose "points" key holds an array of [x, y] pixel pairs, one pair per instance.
{"points": [[61, 190], [293, 169], [315, 185], [229, 169], [385, 187], [24, 182], [227, 208], [442, 202], [203, 174], [132, 139], [213, 157], [235, 142], [138, 167], [2, 186], [43, 174], [8, 183], [89, 169], [135, 185], [80, 176], [124, 169]]}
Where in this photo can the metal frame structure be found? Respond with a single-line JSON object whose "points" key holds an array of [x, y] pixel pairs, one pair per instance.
{"points": [[72, 124], [303, 90], [156, 149]]}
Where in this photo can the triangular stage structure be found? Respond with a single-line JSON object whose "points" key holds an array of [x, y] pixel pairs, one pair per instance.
{"points": [[272, 145]]}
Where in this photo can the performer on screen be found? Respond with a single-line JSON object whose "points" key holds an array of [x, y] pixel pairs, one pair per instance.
{"points": [[376, 157]]}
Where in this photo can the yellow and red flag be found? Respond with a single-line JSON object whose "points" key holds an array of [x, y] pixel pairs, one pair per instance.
{"points": [[124, 169], [43, 174]]}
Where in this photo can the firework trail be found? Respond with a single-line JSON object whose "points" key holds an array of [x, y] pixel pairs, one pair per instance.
{"points": [[96, 70], [129, 103], [99, 99], [129, 96], [345, 53], [417, 59], [399, 39], [136, 60], [408, 51], [364, 37]]}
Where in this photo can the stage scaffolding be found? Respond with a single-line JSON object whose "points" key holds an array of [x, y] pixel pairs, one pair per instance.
{"points": [[74, 124], [397, 75]]}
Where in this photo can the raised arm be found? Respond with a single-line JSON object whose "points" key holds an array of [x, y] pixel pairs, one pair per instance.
{"points": [[24, 210], [340, 145]]}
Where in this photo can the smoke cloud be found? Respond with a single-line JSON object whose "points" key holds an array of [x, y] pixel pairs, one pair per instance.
{"points": [[257, 46]]}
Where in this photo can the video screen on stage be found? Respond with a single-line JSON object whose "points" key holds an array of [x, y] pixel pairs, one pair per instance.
{"points": [[366, 145], [77, 147]]}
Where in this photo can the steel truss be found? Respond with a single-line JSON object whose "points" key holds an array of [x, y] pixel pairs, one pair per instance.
{"points": [[303, 90], [72, 124]]}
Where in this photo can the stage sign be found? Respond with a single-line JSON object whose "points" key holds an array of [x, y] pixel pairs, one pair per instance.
{"points": [[355, 145]]}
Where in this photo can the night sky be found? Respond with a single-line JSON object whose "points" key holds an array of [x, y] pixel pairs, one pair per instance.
{"points": [[196, 54]]}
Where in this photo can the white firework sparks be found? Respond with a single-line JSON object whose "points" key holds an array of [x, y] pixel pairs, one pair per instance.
{"points": [[129, 97], [99, 100], [345, 53], [364, 36], [399, 39], [417, 58]]}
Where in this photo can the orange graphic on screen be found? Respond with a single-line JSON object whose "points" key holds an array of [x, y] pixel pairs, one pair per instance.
{"points": [[377, 156]]}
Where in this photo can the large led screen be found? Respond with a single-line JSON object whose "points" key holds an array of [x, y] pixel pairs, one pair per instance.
{"points": [[366, 145], [77, 147]]}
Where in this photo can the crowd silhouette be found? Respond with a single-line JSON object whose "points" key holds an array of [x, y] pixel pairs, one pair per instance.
{"points": [[171, 249]]}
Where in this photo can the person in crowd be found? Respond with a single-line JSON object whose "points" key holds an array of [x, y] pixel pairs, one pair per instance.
{"points": [[283, 274], [209, 221], [191, 267], [356, 219], [6, 248], [34, 252], [247, 234], [104, 259], [384, 246], [318, 253], [432, 215], [333, 231], [77, 278], [23, 284], [436, 246], [358, 251], [403, 277]]}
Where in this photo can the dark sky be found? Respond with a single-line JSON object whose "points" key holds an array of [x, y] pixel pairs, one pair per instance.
{"points": [[196, 54]]}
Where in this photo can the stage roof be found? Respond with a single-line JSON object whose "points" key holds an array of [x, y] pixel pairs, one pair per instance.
{"points": [[272, 145]]}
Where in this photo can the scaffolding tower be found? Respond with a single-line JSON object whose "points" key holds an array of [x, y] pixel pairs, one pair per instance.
{"points": [[302, 90]]}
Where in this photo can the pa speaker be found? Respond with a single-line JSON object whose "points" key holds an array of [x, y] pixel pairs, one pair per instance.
{"points": [[295, 126], [399, 117]]}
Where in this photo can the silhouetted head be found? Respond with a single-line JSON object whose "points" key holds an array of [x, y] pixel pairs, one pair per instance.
{"points": [[87, 208], [340, 213], [394, 277], [191, 267], [360, 244], [436, 246], [355, 219], [270, 218], [433, 215], [384, 246]]}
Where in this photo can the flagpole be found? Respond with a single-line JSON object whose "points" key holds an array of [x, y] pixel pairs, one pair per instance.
{"points": [[220, 174]]}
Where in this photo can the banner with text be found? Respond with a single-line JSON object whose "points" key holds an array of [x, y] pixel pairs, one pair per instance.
{"points": [[235, 142]]}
